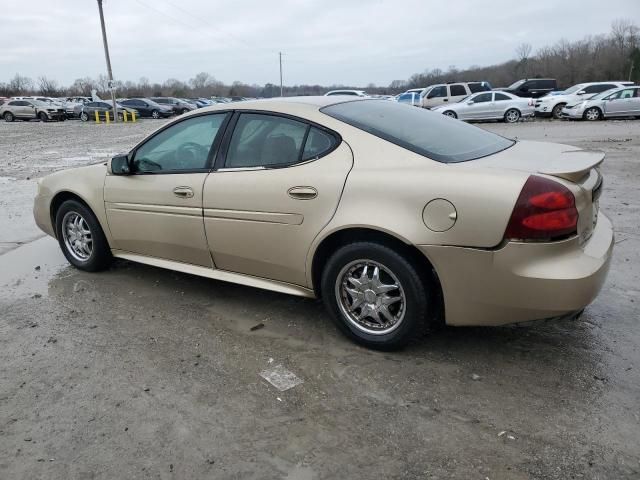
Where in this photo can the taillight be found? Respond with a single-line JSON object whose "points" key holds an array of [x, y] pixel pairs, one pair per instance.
{"points": [[545, 210]]}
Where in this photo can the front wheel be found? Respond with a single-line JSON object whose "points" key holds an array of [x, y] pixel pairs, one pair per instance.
{"points": [[84, 117], [557, 111], [450, 113], [43, 117], [155, 114], [592, 114], [375, 295], [81, 238], [512, 116]]}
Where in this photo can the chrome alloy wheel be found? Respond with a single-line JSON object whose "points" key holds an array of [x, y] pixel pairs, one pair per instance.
{"points": [[512, 116], [77, 236], [370, 297]]}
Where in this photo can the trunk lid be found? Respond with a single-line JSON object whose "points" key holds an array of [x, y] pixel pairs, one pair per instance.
{"points": [[575, 168]]}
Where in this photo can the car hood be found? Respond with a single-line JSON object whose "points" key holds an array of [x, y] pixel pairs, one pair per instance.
{"points": [[564, 98], [555, 159]]}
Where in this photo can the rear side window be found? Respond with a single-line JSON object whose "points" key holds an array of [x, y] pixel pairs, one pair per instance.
{"points": [[457, 90], [478, 87], [426, 133], [317, 144], [502, 96]]}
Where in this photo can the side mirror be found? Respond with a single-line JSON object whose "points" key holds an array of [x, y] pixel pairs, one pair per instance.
{"points": [[470, 102], [581, 92], [120, 165]]}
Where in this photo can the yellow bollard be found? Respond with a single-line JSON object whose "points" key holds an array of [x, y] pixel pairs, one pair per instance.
{"points": [[124, 116], [108, 117], [97, 116], [133, 117]]}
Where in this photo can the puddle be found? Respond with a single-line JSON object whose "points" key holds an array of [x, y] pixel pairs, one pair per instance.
{"points": [[19, 277]]}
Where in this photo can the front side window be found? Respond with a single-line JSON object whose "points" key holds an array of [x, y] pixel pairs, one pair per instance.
{"points": [[437, 92], [265, 141], [426, 133], [482, 98], [457, 90], [183, 146]]}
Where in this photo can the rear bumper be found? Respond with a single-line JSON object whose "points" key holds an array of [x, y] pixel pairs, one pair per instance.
{"points": [[522, 281]]}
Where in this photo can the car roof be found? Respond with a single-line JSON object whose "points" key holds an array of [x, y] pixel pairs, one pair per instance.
{"points": [[280, 103]]}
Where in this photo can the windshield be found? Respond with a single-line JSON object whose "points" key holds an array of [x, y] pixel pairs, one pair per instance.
{"points": [[427, 133], [600, 95], [573, 89], [516, 84]]}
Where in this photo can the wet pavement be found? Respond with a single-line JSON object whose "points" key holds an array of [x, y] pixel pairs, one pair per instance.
{"points": [[139, 372]]}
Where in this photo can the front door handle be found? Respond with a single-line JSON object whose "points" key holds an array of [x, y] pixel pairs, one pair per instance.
{"points": [[183, 192], [303, 193]]}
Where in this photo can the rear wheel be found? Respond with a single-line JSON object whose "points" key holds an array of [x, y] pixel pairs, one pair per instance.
{"points": [[592, 114], [557, 110], [512, 115], [81, 238], [450, 113], [8, 117], [155, 114], [375, 295], [43, 117]]}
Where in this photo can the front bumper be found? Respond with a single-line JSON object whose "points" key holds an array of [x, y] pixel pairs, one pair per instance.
{"points": [[42, 213], [572, 113], [522, 281]]}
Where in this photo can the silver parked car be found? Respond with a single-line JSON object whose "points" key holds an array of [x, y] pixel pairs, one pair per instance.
{"points": [[619, 102], [19, 109], [489, 106]]}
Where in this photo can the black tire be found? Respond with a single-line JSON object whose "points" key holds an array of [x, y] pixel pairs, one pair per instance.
{"points": [[417, 295], [155, 114], [43, 117], [100, 256], [9, 117], [592, 114], [512, 115], [450, 113], [557, 111], [84, 116]]}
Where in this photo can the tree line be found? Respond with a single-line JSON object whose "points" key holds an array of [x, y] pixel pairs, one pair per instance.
{"points": [[612, 56]]}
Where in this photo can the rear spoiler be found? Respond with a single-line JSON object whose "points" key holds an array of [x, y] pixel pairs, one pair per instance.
{"points": [[573, 164]]}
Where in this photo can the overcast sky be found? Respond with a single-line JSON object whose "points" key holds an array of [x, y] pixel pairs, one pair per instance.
{"points": [[351, 42]]}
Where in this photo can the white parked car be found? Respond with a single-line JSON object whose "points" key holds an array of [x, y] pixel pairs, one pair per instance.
{"points": [[489, 106], [352, 93], [410, 98], [552, 105], [620, 102]]}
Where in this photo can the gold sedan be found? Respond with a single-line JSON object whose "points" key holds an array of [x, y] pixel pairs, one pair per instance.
{"points": [[395, 216]]}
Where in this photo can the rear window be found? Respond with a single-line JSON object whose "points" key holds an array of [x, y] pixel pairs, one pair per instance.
{"points": [[427, 133]]}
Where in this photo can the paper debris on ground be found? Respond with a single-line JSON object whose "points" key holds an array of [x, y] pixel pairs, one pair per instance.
{"points": [[280, 377]]}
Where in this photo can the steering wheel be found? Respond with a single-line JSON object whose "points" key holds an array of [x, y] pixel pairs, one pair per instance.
{"points": [[190, 155]]}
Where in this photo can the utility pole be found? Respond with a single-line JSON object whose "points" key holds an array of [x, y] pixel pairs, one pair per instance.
{"points": [[280, 54], [106, 56]]}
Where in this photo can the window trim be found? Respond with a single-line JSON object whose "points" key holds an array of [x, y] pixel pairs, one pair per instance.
{"points": [[221, 157], [213, 150]]}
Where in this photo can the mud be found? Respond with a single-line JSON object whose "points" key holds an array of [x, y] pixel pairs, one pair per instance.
{"points": [[139, 372]]}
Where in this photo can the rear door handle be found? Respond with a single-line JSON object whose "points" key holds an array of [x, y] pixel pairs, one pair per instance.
{"points": [[303, 193], [183, 192]]}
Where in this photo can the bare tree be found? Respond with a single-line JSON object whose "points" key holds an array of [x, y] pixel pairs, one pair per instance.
{"points": [[48, 87], [20, 84]]}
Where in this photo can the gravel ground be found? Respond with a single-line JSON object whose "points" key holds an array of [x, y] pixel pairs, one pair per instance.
{"points": [[139, 372]]}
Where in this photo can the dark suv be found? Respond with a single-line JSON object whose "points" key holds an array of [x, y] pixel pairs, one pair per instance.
{"points": [[179, 106], [532, 87]]}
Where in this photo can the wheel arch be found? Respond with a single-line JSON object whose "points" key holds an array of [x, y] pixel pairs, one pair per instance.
{"points": [[338, 238], [61, 197]]}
